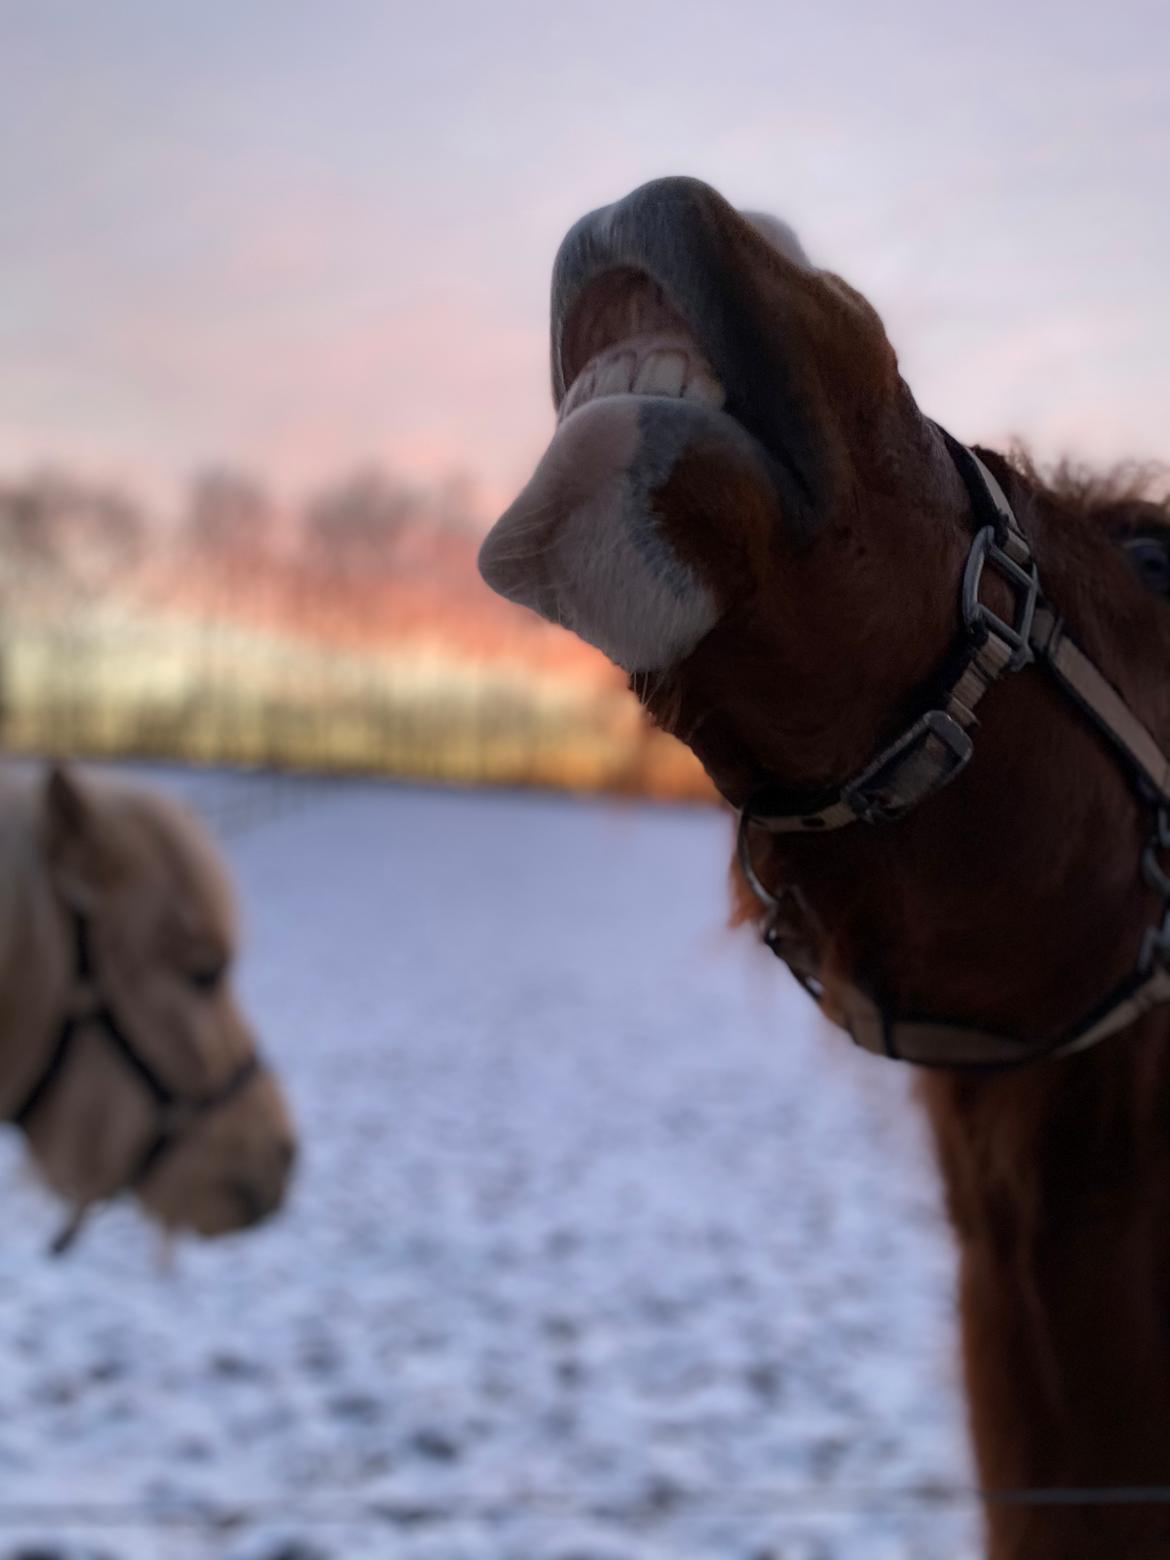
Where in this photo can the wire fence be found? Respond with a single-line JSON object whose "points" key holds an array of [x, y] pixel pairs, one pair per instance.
{"points": [[666, 1500]]}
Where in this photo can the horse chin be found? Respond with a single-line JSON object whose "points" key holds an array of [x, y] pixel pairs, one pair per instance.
{"points": [[193, 1192], [221, 1207]]}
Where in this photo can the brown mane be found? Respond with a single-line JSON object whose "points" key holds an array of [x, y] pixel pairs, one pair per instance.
{"points": [[1086, 492]]}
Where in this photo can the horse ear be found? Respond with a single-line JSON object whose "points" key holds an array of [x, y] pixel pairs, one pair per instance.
{"points": [[77, 857], [67, 805]]}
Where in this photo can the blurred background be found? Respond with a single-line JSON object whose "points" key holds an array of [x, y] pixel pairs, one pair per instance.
{"points": [[584, 1264], [274, 335]]}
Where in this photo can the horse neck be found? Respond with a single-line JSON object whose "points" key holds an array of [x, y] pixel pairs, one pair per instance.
{"points": [[1058, 1184], [34, 957]]}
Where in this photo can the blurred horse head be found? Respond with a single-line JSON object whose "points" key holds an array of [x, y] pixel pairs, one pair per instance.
{"points": [[124, 1056]]}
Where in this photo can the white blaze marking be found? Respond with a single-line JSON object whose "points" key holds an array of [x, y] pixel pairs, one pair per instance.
{"points": [[625, 591]]}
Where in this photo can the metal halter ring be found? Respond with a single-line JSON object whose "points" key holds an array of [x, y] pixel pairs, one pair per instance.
{"points": [[743, 852]]}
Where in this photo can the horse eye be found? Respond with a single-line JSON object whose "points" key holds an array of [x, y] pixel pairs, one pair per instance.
{"points": [[207, 979], [1150, 556]]}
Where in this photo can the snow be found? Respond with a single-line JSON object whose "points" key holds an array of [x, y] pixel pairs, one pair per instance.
{"points": [[604, 1246]]}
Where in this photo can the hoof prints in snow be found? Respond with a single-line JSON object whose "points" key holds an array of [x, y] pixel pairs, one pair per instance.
{"points": [[602, 1248]]}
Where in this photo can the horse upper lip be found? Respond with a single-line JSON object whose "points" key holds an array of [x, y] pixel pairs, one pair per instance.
{"points": [[696, 248], [655, 230]]}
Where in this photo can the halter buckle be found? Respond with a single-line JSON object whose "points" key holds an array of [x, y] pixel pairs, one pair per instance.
{"points": [[1024, 581], [924, 759]]}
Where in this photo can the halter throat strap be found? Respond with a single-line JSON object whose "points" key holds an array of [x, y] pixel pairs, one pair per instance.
{"points": [[932, 752]]}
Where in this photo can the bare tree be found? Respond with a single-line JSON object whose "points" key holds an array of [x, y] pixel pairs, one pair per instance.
{"points": [[353, 529], [83, 537]]}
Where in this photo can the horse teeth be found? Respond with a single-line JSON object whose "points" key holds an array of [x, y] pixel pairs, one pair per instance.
{"points": [[646, 367], [615, 374], [662, 373]]}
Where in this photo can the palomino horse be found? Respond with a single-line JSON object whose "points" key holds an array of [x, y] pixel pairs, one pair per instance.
{"points": [[813, 585], [123, 1055]]}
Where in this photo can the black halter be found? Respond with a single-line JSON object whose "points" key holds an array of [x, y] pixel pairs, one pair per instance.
{"points": [[175, 1113], [935, 750]]}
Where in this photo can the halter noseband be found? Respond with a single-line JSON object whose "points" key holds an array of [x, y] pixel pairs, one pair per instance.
{"points": [[175, 1113], [935, 750]]}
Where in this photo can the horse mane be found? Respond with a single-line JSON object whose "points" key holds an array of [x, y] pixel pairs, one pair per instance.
{"points": [[1108, 495]]}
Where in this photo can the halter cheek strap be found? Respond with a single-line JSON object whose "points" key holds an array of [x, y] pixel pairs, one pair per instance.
{"points": [[933, 752], [175, 1113]]}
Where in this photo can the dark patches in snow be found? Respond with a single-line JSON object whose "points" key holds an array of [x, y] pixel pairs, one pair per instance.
{"points": [[584, 1262]]}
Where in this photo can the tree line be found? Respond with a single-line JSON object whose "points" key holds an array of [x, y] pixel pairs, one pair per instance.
{"points": [[240, 627]]}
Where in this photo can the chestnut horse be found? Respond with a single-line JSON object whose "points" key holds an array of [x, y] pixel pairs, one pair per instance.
{"points": [[813, 585], [124, 1057]]}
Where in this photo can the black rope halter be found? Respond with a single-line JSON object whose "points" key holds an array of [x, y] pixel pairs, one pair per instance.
{"points": [[175, 1113]]}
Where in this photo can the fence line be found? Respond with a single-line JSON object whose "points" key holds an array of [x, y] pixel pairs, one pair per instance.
{"points": [[660, 1502]]}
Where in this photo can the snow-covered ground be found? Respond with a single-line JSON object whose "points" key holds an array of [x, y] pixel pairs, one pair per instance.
{"points": [[603, 1248]]}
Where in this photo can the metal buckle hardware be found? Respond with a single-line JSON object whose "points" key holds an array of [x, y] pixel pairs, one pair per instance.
{"points": [[924, 759], [1025, 584]]}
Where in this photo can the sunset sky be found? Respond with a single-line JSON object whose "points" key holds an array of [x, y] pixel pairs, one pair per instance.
{"points": [[302, 236]]}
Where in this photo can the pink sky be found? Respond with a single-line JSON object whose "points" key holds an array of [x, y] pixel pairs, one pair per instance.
{"points": [[301, 237]]}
